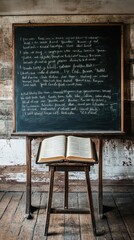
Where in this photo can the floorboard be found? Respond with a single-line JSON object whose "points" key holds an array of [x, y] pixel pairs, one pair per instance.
{"points": [[57, 227], [72, 221], [125, 205], [117, 224]]}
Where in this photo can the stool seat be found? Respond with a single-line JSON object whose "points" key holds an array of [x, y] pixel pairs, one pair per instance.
{"points": [[67, 167]]}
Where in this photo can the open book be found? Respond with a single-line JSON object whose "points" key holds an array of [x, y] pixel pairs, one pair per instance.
{"points": [[62, 148]]}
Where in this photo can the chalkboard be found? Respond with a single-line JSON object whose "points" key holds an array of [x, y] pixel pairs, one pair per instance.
{"points": [[68, 78]]}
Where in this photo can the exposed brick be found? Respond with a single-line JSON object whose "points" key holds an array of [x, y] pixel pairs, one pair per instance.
{"points": [[2, 127], [1, 42], [5, 73], [5, 90], [5, 109], [132, 36], [9, 127]]}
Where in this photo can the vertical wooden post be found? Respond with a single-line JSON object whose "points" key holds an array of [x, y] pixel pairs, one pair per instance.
{"points": [[90, 200], [49, 203], [100, 184], [66, 190], [28, 177]]}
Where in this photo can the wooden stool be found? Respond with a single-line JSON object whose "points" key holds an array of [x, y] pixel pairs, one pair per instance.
{"points": [[66, 167]]}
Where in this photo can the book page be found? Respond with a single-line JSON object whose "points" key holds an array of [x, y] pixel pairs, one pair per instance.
{"points": [[52, 148], [78, 147]]}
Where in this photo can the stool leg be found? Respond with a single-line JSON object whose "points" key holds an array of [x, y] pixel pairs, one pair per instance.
{"points": [[66, 190], [49, 203], [90, 200]]}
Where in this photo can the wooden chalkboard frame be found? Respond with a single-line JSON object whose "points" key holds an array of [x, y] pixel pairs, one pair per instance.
{"points": [[121, 130]]}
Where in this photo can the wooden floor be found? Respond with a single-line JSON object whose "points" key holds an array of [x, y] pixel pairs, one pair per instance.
{"points": [[118, 221]]}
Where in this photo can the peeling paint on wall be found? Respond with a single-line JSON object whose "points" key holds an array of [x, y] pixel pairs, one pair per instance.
{"points": [[12, 152], [17, 177], [118, 159]]}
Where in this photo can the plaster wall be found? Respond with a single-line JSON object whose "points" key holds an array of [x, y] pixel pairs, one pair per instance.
{"points": [[118, 154]]}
